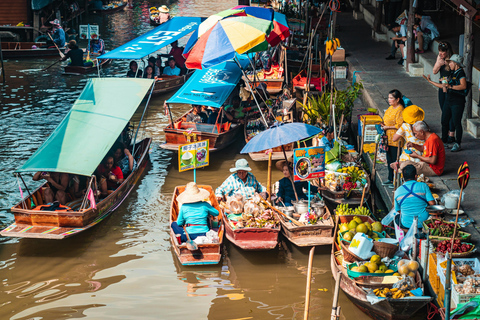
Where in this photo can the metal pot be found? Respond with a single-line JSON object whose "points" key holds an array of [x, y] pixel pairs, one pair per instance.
{"points": [[435, 209], [319, 208], [300, 206], [289, 211]]}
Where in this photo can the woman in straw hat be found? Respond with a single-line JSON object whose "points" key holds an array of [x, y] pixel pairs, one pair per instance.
{"points": [[285, 192], [454, 101], [163, 15], [410, 115], [242, 182], [194, 212]]}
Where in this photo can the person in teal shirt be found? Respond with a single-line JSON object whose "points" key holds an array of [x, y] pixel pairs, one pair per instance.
{"points": [[194, 212], [412, 198]]}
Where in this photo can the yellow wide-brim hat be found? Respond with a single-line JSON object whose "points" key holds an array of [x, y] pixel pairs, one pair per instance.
{"points": [[412, 114]]}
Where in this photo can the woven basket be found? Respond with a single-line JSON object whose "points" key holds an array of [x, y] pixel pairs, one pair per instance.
{"points": [[384, 249], [347, 254]]}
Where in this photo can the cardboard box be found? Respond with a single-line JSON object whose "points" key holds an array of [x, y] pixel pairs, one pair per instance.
{"points": [[339, 55]]}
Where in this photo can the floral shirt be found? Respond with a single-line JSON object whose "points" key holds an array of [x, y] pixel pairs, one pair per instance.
{"points": [[233, 184], [393, 117], [407, 132]]}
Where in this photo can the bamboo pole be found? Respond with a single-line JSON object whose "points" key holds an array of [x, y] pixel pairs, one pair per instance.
{"points": [[335, 307], [269, 175], [309, 280]]}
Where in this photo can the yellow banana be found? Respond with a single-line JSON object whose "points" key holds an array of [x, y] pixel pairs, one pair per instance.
{"points": [[338, 42], [394, 289], [334, 45], [376, 291]]}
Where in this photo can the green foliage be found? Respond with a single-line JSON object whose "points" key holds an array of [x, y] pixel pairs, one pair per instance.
{"points": [[317, 108]]}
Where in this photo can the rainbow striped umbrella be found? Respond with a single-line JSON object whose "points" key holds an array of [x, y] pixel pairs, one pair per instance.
{"points": [[228, 37]]}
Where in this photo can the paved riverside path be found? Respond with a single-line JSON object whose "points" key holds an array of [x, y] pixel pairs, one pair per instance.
{"points": [[367, 57]]}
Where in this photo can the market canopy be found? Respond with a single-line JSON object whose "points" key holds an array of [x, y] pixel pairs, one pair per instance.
{"points": [[91, 127], [211, 86], [155, 39]]}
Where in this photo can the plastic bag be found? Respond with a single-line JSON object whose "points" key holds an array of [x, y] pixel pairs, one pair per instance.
{"points": [[387, 220], [409, 240], [452, 194], [235, 203], [212, 236], [399, 234]]}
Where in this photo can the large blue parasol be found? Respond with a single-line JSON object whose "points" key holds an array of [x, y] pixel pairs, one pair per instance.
{"points": [[280, 134]]}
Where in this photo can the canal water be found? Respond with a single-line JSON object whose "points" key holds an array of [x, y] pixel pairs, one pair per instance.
{"points": [[124, 267]]}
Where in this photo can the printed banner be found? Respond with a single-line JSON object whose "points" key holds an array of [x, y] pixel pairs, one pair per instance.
{"points": [[94, 32], [193, 155], [308, 163]]}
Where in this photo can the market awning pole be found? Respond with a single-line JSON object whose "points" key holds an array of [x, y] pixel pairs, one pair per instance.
{"points": [[290, 173]]}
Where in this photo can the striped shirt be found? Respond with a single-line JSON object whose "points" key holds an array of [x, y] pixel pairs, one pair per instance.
{"points": [[233, 184]]}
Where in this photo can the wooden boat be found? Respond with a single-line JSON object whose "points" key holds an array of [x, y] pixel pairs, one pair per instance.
{"points": [[165, 84], [108, 10], [13, 50], [84, 70], [31, 223], [338, 197], [277, 153], [386, 309], [318, 234], [176, 135], [206, 253], [254, 239], [274, 86]]}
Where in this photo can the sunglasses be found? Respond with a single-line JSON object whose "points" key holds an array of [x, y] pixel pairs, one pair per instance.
{"points": [[442, 46]]}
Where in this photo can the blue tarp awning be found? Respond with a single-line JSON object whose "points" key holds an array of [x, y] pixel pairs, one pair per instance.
{"points": [[211, 86], [39, 4], [155, 39]]}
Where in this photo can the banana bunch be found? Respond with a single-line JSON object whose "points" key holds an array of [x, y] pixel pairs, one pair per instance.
{"points": [[343, 210], [393, 293], [361, 211], [331, 46]]}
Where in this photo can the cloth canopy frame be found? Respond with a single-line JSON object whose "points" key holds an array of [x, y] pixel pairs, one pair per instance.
{"points": [[91, 127]]}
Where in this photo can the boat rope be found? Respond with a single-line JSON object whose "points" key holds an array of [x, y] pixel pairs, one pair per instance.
{"points": [[432, 310]]}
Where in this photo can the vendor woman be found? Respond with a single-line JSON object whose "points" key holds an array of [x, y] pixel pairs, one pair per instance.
{"points": [[194, 212], [285, 192]]}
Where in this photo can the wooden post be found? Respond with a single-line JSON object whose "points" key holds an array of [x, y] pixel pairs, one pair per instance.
{"points": [[269, 177], [410, 36], [309, 280], [335, 296], [377, 24], [468, 45]]}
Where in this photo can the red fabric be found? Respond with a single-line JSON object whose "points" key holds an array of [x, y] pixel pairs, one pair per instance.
{"points": [[434, 147], [300, 80], [177, 54], [115, 170], [195, 56]]}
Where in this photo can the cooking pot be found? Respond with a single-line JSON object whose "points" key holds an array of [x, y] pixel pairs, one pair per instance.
{"points": [[451, 201], [289, 211], [300, 206], [319, 208], [436, 209]]}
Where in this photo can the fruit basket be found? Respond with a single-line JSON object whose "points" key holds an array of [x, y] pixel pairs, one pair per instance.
{"points": [[384, 249], [439, 229], [347, 254], [442, 247]]}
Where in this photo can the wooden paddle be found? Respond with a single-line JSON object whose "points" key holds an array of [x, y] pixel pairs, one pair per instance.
{"points": [[363, 194], [60, 52], [51, 65], [283, 214], [192, 246], [309, 283]]}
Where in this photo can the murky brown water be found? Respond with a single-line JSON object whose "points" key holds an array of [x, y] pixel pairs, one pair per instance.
{"points": [[124, 267]]}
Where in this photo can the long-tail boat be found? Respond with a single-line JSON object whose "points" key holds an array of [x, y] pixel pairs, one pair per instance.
{"points": [[164, 84], [209, 253], [14, 50], [84, 70], [385, 309], [252, 238], [111, 8], [76, 147]]}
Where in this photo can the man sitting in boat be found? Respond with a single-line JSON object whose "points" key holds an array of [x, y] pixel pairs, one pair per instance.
{"points": [[134, 71], [412, 199], [57, 184], [241, 182], [76, 56], [177, 53], [109, 175], [236, 108], [172, 69], [197, 115], [285, 192], [194, 212], [213, 118], [327, 141], [97, 46], [58, 35]]}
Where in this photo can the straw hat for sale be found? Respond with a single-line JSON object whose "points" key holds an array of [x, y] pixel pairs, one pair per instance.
{"points": [[193, 194], [241, 164], [164, 9], [412, 114]]}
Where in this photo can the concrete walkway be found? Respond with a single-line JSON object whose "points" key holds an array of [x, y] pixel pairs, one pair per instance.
{"points": [[366, 58]]}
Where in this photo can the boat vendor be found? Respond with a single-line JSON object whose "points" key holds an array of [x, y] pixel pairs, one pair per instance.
{"points": [[194, 212], [197, 115], [285, 192], [412, 199], [242, 182], [58, 35], [172, 69], [327, 141], [57, 184], [432, 160], [164, 14], [109, 175], [96, 46], [177, 53], [76, 56]]}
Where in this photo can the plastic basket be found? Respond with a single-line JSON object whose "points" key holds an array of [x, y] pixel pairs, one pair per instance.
{"points": [[473, 262], [458, 298]]}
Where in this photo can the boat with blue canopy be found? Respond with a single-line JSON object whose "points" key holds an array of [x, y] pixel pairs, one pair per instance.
{"points": [[76, 147], [207, 87]]}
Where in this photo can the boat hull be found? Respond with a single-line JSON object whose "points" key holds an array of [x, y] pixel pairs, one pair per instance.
{"points": [[252, 238], [166, 84], [354, 199], [109, 11], [207, 254], [63, 224], [14, 50], [85, 70]]}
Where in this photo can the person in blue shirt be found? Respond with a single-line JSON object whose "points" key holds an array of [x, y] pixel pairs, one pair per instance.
{"points": [[285, 192], [412, 199], [194, 212], [58, 35], [327, 142], [97, 46], [172, 69]]}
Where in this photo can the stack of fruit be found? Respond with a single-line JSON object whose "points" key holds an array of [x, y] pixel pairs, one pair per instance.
{"points": [[349, 230], [394, 293], [375, 265], [407, 267], [346, 178], [344, 210], [458, 246]]}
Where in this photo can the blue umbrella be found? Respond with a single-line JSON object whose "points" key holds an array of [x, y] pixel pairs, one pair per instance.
{"points": [[280, 134]]}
